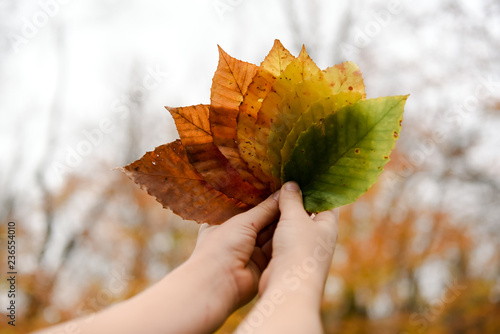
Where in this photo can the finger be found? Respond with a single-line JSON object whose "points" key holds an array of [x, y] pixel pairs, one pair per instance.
{"points": [[260, 259], [266, 234], [329, 219], [258, 217], [267, 249], [204, 230], [290, 202], [330, 216], [203, 227]]}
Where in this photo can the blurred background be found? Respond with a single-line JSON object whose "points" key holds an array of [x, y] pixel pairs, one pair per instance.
{"points": [[82, 90]]}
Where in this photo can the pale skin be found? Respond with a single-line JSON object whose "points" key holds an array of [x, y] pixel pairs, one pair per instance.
{"points": [[286, 263]]}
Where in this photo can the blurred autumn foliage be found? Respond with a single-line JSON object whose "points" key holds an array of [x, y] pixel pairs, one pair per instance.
{"points": [[418, 253]]}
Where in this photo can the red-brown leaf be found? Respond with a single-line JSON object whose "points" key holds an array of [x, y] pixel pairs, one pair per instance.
{"points": [[167, 175]]}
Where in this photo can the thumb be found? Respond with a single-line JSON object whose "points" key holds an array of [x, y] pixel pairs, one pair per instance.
{"points": [[290, 201]]}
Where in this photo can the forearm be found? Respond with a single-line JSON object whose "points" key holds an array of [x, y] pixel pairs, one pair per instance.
{"points": [[284, 311], [185, 301]]}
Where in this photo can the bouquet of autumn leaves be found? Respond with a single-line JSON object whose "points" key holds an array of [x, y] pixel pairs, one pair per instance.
{"points": [[283, 120]]}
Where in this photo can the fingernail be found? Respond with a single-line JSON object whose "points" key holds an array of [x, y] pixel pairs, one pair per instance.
{"points": [[292, 186], [276, 195]]}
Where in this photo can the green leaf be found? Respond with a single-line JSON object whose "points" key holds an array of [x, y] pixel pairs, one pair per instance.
{"points": [[339, 158], [318, 111], [342, 83]]}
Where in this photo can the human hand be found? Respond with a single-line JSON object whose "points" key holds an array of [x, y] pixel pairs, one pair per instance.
{"points": [[292, 285], [238, 250], [303, 247]]}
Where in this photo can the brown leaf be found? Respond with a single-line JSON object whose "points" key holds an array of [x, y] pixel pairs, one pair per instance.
{"points": [[194, 129], [167, 175]]}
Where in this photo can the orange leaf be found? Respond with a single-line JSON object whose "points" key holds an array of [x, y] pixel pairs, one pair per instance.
{"points": [[229, 85], [194, 129], [167, 175]]}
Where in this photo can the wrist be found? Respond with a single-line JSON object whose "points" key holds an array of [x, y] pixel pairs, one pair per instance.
{"points": [[302, 279], [215, 282], [307, 291], [303, 303]]}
